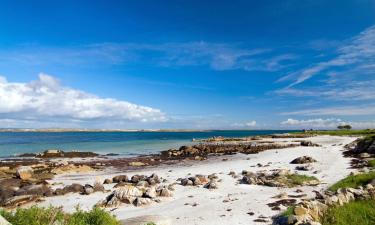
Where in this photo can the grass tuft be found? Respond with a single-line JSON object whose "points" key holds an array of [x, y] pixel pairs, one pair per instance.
{"points": [[354, 181], [353, 213]]}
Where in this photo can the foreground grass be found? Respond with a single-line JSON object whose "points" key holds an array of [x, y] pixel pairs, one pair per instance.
{"points": [[340, 132], [46, 216], [356, 212], [371, 163], [354, 181]]}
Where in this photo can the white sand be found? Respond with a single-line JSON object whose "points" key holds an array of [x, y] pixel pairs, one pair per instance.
{"points": [[211, 209]]}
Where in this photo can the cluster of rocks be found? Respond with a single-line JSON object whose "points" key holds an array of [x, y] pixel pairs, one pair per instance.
{"points": [[201, 151], [209, 182], [274, 178], [137, 180], [53, 153], [139, 190], [28, 183], [309, 144], [310, 212]]}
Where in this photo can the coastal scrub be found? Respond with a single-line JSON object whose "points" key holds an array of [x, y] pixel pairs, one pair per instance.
{"points": [[354, 181], [356, 212], [52, 215]]}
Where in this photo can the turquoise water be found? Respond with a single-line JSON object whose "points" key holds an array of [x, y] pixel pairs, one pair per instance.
{"points": [[124, 143]]}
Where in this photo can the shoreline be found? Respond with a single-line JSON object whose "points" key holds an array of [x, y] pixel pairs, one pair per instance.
{"points": [[231, 203], [214, 202]]}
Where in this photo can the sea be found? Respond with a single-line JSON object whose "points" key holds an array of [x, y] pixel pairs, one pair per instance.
{"points": [[126, 144]]}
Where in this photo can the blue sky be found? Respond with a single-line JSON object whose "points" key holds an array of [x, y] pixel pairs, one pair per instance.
{"points": [[187, 64]]}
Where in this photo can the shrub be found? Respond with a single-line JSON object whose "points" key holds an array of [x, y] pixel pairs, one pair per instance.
{"points": [[356, 212], [46, 216], [354, 181], [371, 163]]}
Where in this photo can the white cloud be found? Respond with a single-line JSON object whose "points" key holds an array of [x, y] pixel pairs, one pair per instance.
{"points": [[359, 110], [330, 123], [46, 99], [359, 53], [252, 123]]}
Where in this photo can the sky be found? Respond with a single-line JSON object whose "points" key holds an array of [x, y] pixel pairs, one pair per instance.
{"points": [[142, 64]]}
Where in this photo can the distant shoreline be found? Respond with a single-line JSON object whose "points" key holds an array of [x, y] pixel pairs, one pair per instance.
{"points": [[119, 130]]}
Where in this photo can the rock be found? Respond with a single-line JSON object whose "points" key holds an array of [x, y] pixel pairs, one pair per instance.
{"points": [[74, 188], [142, 201], [120, 178], [307, 143], [88, 189], [98, 187], [142, 184], [137, 164], [107, 181], [150, 193], [304, 167], [128, 190], [24, 172], [136, 178], [164, 192], [19, 200], [70, 168], [37, 190], [186, 182], [303, 160], [211, 185]]}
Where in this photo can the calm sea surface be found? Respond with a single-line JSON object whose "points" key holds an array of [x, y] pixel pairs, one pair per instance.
{"points": [[124, 143]]}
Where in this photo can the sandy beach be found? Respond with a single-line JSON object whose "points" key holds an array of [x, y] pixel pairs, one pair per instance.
{"points": [[232, 202]]}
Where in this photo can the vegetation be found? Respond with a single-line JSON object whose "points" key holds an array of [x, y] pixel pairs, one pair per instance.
{"points": [[344, 127], [293, 180], [354, 181], [371, 163], [340, 132], [46, 216], [356, 212], [288, 212]]}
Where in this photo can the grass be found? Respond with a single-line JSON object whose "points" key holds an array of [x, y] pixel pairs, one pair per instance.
{"points": [[340, 132], [46, 216], [354, 181], [293, 180], [288, 212], [356, 212], [297, 179], [371, 163]]}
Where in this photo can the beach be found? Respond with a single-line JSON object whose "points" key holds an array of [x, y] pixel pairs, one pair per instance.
{"points": [[231, 202]]}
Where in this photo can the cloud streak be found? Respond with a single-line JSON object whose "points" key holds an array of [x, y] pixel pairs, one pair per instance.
{"points": [[217, 56], [361, 110], [359, 54]]}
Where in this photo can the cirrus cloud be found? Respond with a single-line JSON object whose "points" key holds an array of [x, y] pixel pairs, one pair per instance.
{"points": [[46, 99]]}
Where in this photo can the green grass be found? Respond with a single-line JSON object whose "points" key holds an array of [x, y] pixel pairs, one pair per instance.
{"points": [[288, 212], [353, 213], [293, 180], [297, 179], [340, 132], [47, 216], [371, 163], [354, 181]]}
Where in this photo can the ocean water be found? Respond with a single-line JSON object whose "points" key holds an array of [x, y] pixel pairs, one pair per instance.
{"points": [[124, 143]]}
